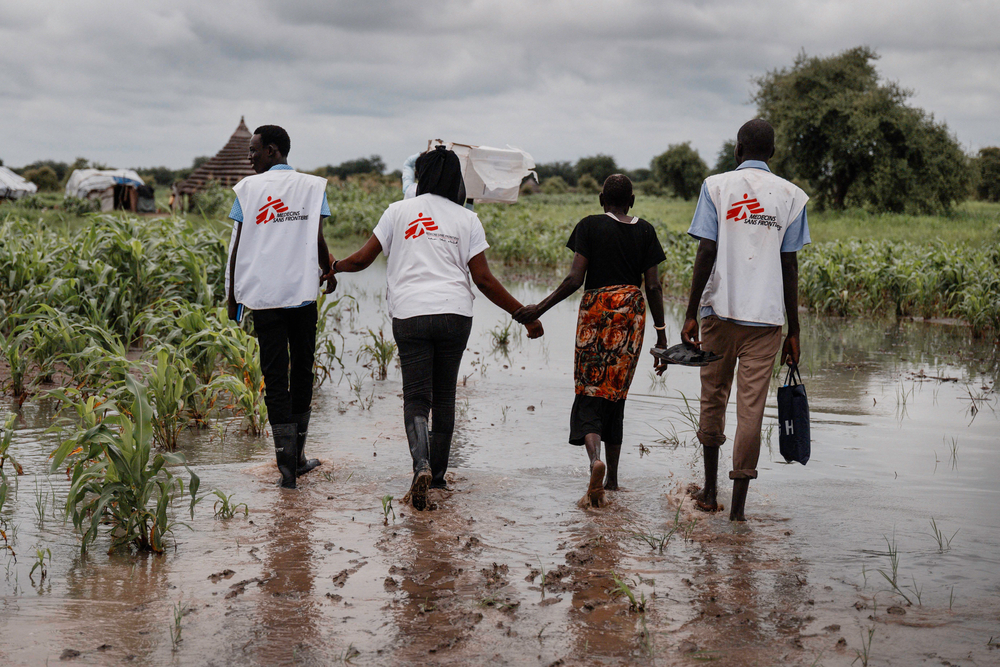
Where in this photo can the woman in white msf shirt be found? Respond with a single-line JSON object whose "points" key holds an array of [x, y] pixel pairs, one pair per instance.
{"points": [[435, 250]]}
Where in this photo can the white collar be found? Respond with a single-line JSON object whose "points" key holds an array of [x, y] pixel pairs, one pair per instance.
{"points": [[630, 222]]}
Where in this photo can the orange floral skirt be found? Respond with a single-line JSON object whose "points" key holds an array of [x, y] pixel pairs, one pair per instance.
{"points": [[608, 340]]}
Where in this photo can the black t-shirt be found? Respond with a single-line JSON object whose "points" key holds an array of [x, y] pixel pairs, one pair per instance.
{"points": [[617, 253]]}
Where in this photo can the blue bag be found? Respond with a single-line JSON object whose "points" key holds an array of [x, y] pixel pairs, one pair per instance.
{"points": [[793, 418]]}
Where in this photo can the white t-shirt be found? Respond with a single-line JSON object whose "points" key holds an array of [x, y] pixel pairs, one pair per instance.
{"points": [[428, 242]]}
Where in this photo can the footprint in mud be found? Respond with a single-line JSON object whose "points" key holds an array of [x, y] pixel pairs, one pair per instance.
{"points": [[219, 576], [341, 577], [496, 577]]}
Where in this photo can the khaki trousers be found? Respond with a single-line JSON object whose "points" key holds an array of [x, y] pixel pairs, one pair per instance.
{"points": [[755, 349]]}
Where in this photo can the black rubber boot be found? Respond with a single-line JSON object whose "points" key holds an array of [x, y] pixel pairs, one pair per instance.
{"points": [[305, 465], [418, 437], [440, 450], [286, 452]]}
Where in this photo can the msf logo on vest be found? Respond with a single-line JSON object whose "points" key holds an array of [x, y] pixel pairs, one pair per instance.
{"points": [[269, 211], [741, 210], [419, 227]]}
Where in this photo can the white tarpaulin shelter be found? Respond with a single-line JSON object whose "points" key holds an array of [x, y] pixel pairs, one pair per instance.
{"points": [[13, 186], [492, 174], [114, 188], [84, 181]]}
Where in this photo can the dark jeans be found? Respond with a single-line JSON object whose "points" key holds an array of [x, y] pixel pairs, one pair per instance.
{"points": [[287, 339], [430, 354]]}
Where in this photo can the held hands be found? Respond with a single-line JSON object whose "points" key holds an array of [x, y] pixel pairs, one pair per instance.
{"points": [[535, 329], [329, 277], [526, 314]]}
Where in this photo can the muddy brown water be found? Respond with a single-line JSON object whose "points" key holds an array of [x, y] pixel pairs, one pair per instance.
{"points": [[506, 569]]}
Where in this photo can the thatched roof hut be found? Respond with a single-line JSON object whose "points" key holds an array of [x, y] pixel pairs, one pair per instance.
{"points": [[227, 167]]}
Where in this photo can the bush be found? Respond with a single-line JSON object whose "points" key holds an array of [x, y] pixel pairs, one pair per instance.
{"points": [[212, 200], [44, 177], [588, 184], [554, 185], [76, 206], [649, 187], [563, 170]]}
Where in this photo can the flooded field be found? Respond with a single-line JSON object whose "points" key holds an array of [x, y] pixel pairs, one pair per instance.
{"points": [[884, 550]]}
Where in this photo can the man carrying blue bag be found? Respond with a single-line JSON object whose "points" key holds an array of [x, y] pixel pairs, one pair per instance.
{"points": [[750, 224], [793, 418]]}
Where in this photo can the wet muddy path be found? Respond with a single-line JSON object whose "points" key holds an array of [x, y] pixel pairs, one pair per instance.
{"points": [[506, 569]]}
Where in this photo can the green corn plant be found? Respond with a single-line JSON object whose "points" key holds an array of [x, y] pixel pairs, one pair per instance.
{"points": [[225, 508], [168, 383], [118, 481], [18, 364], [380, 353], [6, 435], [245, 380]]}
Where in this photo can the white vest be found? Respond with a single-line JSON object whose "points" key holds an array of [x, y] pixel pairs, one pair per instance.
{"points": [[754, 208], [277, 263]]}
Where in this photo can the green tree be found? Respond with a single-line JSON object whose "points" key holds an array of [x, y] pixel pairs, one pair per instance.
{"points": [[563, 170], [599, 167], [856, 141], [44, 177], [988, 166], [725, 160], [681, 169], [362, 165]]}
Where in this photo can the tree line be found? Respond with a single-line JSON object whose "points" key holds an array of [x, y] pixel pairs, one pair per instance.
{"points": [[844, 135]]}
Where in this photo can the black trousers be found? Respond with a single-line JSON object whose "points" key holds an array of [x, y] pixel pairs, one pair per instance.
{"points": [[287, 339], [430, 354]]}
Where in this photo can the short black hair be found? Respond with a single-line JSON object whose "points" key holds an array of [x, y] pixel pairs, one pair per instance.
{"points": [[617, 190], [273, 134], [757, 137]]}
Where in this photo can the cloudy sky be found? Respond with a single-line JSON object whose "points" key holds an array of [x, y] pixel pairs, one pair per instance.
{"points": [[144, 82]]}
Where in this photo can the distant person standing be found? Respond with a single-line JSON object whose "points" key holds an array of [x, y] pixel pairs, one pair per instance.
{"points": [[750, 224], [410, 176], [614, 253], [276, 266]]}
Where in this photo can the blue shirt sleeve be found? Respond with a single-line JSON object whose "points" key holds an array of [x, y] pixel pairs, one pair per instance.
{"points": [[236, 212], [705, 223], [409, 171], [325, 210], [797, 234]]}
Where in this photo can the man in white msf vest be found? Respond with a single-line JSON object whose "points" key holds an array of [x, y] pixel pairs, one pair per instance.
{"points": [[277, 260], [751, 224]]}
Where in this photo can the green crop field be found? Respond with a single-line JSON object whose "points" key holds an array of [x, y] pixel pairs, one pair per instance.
{"points": [[859, 263]]}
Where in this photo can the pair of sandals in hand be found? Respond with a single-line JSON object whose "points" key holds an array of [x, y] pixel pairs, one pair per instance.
{"points": [[684, 355]]}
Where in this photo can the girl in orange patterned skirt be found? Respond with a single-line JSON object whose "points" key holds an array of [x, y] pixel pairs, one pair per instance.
{"points": [[614, 254]]}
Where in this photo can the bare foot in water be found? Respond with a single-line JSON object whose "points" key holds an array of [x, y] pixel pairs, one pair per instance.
{"points": [[703, 500], [595, 493]]}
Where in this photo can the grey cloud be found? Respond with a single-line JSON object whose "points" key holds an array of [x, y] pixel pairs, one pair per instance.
{"points": [[136, 83]]}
